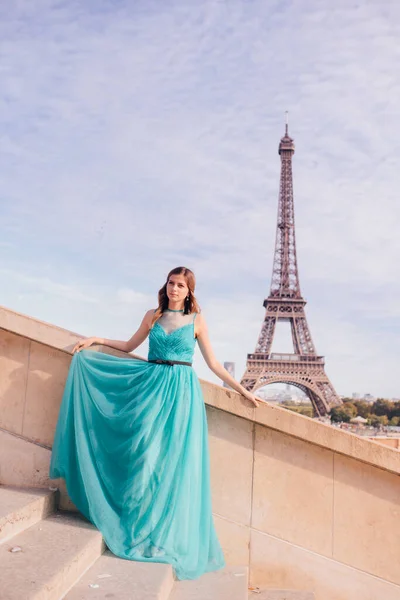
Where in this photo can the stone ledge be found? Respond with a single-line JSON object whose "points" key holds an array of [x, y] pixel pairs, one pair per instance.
{"points": [[303, 428], [274, 417], [36, 330]]}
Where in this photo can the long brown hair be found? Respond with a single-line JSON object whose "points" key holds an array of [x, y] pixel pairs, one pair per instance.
{"points": [[190, 305]]}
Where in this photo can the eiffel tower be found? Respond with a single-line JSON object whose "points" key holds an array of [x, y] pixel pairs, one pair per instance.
{"points": [[304, 368]]}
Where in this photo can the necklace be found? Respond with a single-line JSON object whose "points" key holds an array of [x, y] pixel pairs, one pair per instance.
{"points": [[174, 310]]}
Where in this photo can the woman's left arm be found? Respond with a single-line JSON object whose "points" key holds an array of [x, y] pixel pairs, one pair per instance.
{"points": [[203, 339]]}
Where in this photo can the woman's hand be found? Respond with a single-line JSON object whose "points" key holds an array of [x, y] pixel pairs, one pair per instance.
{"points": [[82, 344], [254, 399]]}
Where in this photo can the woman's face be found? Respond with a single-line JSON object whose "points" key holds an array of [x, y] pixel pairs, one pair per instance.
{"points": [[177, 288]]}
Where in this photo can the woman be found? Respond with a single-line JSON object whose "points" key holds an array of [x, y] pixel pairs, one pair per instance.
{"points": [[131, 439]]}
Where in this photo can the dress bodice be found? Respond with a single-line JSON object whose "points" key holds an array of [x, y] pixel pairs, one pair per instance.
{"points": [[173, 339]]}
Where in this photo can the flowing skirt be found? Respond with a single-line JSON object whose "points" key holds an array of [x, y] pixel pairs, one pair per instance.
{"points": [[132, 445]]}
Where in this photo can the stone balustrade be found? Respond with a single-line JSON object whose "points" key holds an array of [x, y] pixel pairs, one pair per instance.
{"points": [[305, 505]]}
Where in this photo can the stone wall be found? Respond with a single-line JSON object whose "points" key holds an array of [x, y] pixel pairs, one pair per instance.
{"points": [[305, 505], [392, 442]]}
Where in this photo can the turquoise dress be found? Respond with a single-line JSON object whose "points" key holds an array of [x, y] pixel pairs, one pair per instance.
{"points": [[132, 445]]}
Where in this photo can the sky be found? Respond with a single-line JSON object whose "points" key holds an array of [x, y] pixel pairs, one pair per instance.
{"points": [[140, 136]]}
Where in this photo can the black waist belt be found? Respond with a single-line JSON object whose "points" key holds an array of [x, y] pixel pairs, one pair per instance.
{"points": [[160, 361]]}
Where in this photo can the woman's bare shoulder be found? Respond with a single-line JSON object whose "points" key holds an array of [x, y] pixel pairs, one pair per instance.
{"points": [[148, 317]]}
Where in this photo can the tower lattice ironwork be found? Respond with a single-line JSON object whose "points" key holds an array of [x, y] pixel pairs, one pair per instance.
{"points": [[303, 368]]}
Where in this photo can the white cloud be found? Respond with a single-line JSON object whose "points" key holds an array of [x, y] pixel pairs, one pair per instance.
{"points": [[28, 284], [128, 296]]}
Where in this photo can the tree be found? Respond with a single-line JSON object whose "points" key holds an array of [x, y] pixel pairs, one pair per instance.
{"points": [[396, 409], [378, 421], [362, 407], [343, 413], [382, 407]]}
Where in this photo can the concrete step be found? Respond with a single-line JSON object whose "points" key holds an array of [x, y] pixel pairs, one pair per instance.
{"points": [[21, 508], [113, 577], [259, 594], [229, 583], [61, 556], [54, 553]]}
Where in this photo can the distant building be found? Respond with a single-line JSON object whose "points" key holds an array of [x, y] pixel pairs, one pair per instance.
{"points": [[356, 396], [369, 398], [230, 367]]}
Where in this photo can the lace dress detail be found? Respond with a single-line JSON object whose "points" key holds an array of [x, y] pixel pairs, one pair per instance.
{"points": [[171, 320], [172, 337]]}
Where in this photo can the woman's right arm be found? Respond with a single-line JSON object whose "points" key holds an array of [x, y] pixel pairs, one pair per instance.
{"points": [[138, 338]]}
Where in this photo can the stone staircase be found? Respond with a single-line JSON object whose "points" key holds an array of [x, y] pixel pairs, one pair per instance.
{"points": [[47, 554], [281, 595]]}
